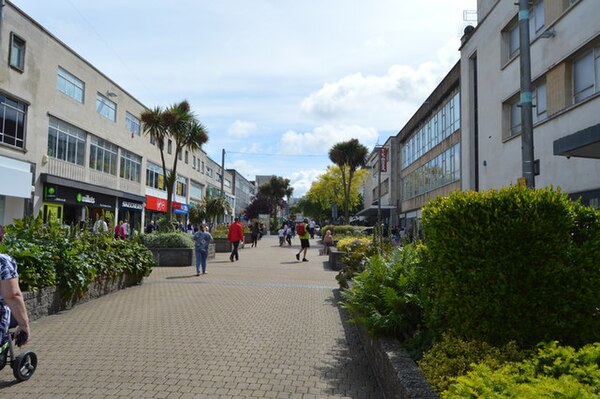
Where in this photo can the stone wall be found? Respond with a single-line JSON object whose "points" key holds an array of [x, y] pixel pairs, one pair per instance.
{"points": [[397, 374], [48, 300]]}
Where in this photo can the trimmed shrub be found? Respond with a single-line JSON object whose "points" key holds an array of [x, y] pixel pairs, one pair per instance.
{"points": [[554, 372], [453, 357], [175, 239], [383, 297], [515, 264], [341, 231], [348, 244], [54, 255]]}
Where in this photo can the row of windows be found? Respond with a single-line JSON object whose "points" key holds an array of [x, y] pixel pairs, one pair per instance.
{"points": [[67, 143], [442, 170], [441, 125], [72, 86], [540, 108]]}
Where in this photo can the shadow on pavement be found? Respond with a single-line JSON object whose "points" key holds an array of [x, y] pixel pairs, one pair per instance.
{"points": [[351, 375], [179, 277]]}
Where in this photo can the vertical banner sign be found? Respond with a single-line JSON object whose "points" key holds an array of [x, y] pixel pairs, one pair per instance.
{"points": [[383, 153]]}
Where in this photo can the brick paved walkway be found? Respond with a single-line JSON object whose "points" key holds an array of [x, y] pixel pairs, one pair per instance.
{"points": [[266, 326]]}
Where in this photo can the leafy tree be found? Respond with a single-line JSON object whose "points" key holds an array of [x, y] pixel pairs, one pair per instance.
{"points": [[259, 205], [327, 191], [348, 156], [179, 124]]}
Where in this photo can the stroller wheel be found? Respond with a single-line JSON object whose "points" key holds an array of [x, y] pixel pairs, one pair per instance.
{"points": [[24, 366]]}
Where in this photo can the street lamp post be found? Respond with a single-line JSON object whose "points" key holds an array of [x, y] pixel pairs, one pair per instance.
{"points": [[526, 96]]}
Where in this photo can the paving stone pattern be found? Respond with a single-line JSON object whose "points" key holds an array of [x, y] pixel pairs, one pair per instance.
{"points": [[266, 326]]}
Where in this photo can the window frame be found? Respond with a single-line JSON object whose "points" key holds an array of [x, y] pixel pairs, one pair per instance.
{"points": [[72, 136], [104, 156], [132, 120], [130, 166], [71, 81], [20, 66], [20, 109], [594, 87], [103, 102]]}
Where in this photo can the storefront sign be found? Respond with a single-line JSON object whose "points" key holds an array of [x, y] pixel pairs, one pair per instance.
{"points": [[160, 205], [383, 154], [131, 205], [72, 196]]}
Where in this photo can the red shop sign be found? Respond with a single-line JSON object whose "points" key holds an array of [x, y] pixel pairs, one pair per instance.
{"points": [[160, 204]]}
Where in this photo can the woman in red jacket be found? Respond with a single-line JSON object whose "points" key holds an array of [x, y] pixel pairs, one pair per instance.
{"points": [[234, 236]]}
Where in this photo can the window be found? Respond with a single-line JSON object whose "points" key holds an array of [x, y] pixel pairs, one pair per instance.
{"points": [[70, 85], [187, 157], [133, 125], [510, 34], [170, 146], [66, 142], [179, 156], [227, 183], [209, 171], [106, 107], [194, 162], [16, 57], [103, 156], [12, 122], [539, 112], [152, 140], [154, 176], [181, 186], [586, 75], [202, 170], [441, 125], [441, 170], [131, 166]]}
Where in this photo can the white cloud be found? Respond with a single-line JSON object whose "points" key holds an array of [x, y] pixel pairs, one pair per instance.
{"points": [[241, 129], [302, 180], [247, 169], [322, 138], [383, 101]]}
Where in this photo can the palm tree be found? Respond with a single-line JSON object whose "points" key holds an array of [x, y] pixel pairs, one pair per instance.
{"points": [[177, 123], [213, 208], [276, 189], [349, 156]]}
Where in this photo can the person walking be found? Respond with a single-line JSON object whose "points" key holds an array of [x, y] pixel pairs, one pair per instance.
{"points": [[234, 236], [327, 242], [288, 235], [304, 237], [255, 233], [201, 240]]}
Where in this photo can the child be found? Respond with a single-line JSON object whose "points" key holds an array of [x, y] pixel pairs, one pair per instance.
{"points": [[281, 234]]}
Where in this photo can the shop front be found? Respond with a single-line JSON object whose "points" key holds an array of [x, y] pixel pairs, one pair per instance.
{"points": [[157, 207], [71, 202], [16, 190], [131, 211]]}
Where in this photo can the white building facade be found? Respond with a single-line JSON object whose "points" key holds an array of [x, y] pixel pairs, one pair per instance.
{"points": [[565, 69], [71, 144]]}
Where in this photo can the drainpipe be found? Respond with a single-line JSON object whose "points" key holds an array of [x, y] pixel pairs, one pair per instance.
{"points": [[1, 21]]}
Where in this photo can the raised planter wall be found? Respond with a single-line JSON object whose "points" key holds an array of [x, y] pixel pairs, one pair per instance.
{"points": [[173, 256], [222, 245], [335, 258], [48, 300], [397, 374]]}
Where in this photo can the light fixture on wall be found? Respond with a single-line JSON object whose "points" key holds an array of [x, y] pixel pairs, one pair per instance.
{"points": [[44, 159], [548, 34], [111, 93]]}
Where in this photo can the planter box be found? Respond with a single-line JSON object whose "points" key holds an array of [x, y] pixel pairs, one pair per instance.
{"points": [[397, 374], [173, 256], [335, 258], [222, 245], [47, 301], [247, 238]]}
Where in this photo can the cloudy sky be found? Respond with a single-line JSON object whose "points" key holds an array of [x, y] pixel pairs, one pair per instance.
{"points": [[276, 82]]}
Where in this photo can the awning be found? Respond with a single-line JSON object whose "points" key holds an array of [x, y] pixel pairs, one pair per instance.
{"points": [[584, 144], [372, 210], [17, 178]]}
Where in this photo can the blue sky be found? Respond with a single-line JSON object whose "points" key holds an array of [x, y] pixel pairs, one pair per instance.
{"points": [[276, 82]]}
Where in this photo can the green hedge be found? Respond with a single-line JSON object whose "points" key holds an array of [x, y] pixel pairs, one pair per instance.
{"points": [[175, 239], [515, 264], [54, 255], [554, 372], [341, 231]]}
